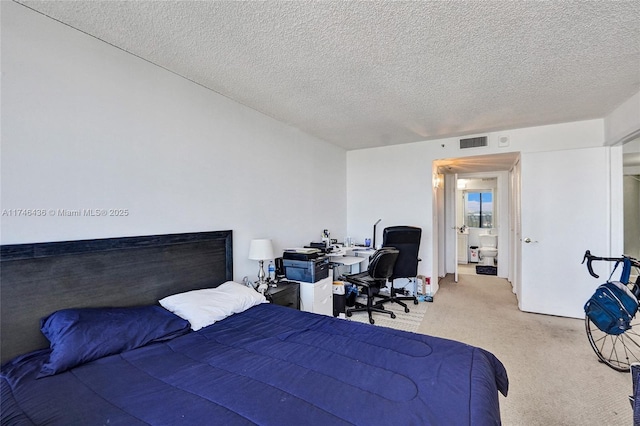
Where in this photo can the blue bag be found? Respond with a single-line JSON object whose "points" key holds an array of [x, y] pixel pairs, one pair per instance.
{"points": [[612, 307], [351, 292]]}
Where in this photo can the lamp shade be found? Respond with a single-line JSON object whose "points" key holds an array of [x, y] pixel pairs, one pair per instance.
{"points": [[261, 250]]}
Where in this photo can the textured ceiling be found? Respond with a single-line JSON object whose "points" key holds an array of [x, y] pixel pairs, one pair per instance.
{"points": [[364, 74]]}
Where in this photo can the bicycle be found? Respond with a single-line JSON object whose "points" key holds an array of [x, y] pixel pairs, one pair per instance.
{"points": [[621, 350]]}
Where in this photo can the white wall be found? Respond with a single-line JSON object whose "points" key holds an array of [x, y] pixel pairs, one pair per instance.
{"points": [[395, 183], [88, 126], [623, 124]]}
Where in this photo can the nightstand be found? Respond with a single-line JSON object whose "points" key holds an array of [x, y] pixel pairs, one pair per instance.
{"points": [[287, 293]]}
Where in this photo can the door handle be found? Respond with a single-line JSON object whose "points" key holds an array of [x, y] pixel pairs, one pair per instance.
{"points": [[529, 240]]}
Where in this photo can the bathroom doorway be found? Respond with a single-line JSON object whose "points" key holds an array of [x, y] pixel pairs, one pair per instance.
{"points": [[477, 225], [491, 176]]}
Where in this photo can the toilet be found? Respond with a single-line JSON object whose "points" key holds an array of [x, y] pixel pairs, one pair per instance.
{"points": [[488, 249]]}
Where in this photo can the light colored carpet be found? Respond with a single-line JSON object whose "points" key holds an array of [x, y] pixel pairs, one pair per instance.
{"points": [[555, 377]]}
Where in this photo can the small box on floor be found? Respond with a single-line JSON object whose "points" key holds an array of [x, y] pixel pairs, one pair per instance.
{"points": [[424, 289], [423, 284]]}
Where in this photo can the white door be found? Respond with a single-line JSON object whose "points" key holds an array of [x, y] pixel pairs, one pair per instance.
{"points": [[564, 211], [438, 238], [516, 227], [456, 206]]}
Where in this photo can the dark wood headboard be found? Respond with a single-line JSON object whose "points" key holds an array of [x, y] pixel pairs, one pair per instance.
{"points": [[38, 279]]}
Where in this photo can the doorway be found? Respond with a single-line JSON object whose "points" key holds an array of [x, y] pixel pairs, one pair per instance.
{"points": [[550, 197], [492, 175], [477, 221]]}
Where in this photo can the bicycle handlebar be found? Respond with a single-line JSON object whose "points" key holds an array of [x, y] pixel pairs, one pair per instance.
{"points": [[590, 258]]}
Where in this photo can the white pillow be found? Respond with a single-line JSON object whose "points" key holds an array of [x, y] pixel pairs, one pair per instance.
{"points": [[204, 307]]}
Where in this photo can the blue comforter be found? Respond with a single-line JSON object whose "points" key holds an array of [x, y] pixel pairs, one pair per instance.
{"points": [[267, 366]]}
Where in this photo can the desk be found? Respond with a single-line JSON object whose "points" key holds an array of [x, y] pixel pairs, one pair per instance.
{"points": [[346, 260], [363, 252], [351, 256], [349, 261], [318, 297]]}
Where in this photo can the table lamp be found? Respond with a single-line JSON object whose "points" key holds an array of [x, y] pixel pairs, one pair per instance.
{"points": [[261, 250]]}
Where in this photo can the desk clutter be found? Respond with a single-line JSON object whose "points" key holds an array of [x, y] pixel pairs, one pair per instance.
{"points": [[312, 263], [326, 287], [313, 268]]}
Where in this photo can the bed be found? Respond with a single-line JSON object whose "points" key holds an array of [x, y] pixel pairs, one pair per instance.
{"points": [[261, 364]]}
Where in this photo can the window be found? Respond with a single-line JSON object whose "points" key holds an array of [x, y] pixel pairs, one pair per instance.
{"points": [[478, 209]]}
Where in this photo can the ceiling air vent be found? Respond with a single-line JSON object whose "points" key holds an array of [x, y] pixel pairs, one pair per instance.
{"points": [[473, 142]]}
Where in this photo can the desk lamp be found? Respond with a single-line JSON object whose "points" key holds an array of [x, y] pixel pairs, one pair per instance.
{"points": [[374, 234], [261, 250]]}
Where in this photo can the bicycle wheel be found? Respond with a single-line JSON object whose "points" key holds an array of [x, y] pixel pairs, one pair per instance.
{"points": [[617, 351]]}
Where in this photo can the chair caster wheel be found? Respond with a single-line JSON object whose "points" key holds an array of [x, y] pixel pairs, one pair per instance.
{"points": [[371, 321], [348, 313], [406, 310], [393, 316], [415, 302]]}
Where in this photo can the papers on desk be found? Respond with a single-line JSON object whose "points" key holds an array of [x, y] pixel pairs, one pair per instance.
{"points": [[303, 250]]}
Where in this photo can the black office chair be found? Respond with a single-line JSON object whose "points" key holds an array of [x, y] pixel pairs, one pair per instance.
{"points": [[380, 269], [406, 239]]}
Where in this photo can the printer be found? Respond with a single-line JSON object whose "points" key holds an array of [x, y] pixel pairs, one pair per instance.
{"points": [[308, 266]]}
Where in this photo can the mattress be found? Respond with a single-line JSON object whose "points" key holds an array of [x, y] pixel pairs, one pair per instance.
{"points": [[268, 365]]}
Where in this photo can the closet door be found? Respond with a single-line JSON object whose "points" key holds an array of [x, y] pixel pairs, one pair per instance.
{"points": [[565, 204]]}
